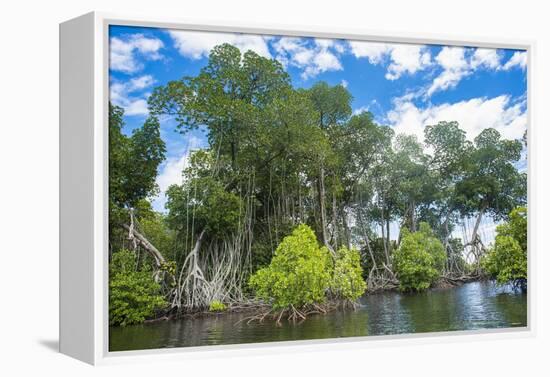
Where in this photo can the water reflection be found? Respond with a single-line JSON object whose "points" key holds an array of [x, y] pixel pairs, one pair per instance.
{"points": [[477, 305]]}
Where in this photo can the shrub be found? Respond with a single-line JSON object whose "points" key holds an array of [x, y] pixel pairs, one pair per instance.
{"points": [[133, 294], [507, 260], [217, 306], [419, 260], [299, 273], [347, 277]]}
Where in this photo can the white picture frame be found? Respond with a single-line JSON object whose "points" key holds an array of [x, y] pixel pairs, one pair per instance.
{"points": [[84, 93]]}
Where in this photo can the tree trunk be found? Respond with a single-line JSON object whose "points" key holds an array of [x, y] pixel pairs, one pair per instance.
{"points": [[334, 221], [322, 208], [347, 233], [384, 238], [369, 249], [388, 235], [148, 246], [233, 155], [189, 289], [413, 219], [478, 221]]}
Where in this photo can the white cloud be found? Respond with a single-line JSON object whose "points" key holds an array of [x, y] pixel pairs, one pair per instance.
{"points": [[197, 44], [373, 107], [452, 58], [171, 172], [459, 62], [344, 83], [360, 110], [121, 94], [403, 58], [474, 115], [407, 59], [324, 43], [139, 83], [485, 57], [519, 59], [313, 59], [123, 52], [375, 52], [136, 107], [455, 67]]}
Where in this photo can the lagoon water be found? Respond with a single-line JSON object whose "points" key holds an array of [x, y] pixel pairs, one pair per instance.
{"points": [[475, 305]]}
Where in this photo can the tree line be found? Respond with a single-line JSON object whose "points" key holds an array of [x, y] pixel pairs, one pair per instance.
{"points": [[286, 168]]}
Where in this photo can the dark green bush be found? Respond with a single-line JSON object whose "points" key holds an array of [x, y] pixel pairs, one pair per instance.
{"points": [[133, 294], [302, 273], [217, 306], [298, 274], [507, 260], [419, 260], [347, 280]]}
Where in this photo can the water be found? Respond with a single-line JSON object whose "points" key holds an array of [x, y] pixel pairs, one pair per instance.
{"points": [[476, 305]]}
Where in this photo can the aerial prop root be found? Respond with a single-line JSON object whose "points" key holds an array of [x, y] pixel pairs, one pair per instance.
{"points": [[292, 313]]}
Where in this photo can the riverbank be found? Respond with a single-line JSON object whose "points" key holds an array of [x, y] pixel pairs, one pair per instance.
{"points": [[248, 306], [470, 306], [442, 283], [258, 310]]}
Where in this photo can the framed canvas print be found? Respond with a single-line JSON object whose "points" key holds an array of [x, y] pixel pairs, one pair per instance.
{"points": [[227, 187]]}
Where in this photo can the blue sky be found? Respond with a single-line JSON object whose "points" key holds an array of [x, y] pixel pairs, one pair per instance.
{"points": [[405, 86]]}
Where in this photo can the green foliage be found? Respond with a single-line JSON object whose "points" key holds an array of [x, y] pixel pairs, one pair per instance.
{"points": [[332, 103], [133, 294], [133, 164], [217, 306], [359, 144], [228, 96], [298, 274], [207, 202], [203, 199], [516, 227], [491, 182], [155, 227], [302, 272], [133, 161], [419, 260], [347, 278], [411, 181], [377, 249], [455, 255], [507, 260], [450, 147]]}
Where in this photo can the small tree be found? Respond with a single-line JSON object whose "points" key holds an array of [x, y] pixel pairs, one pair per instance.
{"points": [[204, 199], [347, 280], [133, 294], [507, 260], [419, 260], [299, 273]]}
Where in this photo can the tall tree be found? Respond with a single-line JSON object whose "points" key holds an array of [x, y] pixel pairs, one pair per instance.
{"points": [[492, 185], [134, 160], [225, 97], [333, 108]]}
